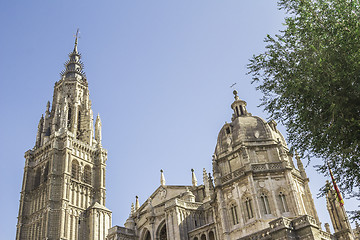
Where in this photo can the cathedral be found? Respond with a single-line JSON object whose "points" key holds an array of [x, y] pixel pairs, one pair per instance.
{"points": [[255, 190]]}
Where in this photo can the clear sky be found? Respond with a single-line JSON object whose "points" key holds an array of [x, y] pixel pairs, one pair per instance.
{"points": [[159, 74]]}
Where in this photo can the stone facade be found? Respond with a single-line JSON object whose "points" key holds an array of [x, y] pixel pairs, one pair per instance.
{"points": [[256, 191], [63, 192]]}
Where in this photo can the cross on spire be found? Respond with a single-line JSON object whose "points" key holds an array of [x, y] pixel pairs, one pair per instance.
{"points": [[76, 36]]}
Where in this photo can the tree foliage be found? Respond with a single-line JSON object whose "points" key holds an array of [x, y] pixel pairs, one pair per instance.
{"points": [[310, 77]]}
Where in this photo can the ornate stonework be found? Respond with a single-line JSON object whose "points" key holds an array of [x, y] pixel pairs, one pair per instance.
{"points": [[257, 191], [63, 192]]}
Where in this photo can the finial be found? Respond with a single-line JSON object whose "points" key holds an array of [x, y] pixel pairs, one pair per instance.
{"points": [[48, 106], [193, 178], [137, 204], [76, 40], [132, 208], [162, 178], [235, 95]]}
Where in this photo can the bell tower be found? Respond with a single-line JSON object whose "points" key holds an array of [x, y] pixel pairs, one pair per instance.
{"points": [[63, 191]]}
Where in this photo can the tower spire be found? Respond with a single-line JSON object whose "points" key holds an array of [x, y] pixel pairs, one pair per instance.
{"points": [[74, 67], [193, 178], [162, 178], [76, 41]]}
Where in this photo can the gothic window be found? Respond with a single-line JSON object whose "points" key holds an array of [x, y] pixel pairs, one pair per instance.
{"points": [[87, 174], [37, 178], [234, 214], [211, 235], [203, 237], [46, 172], [147, 236], [162, 233], [69, 118], [79, 120], [75, 170], [283, 202], [249, 208], [265, 203], [228, 130]]}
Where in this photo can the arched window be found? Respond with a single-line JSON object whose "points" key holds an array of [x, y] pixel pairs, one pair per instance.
{"points": [[147, 236], [37, 177], [69, 118], [163, 234], [249, 208], [46, 172], [79, 121], [265, 203], [87, 174], [75, 170], [234, 214], [203, 237], [211, 235], [283, 202]]}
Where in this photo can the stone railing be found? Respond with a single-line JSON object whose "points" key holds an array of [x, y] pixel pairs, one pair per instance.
{"points": [[263, 235], [304, 221], [256, 167], [183, 204], [279, 223]]}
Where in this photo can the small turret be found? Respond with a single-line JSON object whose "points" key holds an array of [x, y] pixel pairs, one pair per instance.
{"points": [[137, 204], [162, 178], [338, 215], [239, 107], [130, 221], [38, 135], [98, 129], [300, 165], [193, 178], [206, 185]]}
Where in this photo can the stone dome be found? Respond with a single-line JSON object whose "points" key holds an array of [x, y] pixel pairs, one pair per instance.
{"points": [[246, 129]]}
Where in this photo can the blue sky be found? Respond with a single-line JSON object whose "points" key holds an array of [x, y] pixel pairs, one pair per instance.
{"points": [[159, 74]]}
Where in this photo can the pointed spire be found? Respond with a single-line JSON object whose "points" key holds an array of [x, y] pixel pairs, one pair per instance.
{"points": [[206, 185], [162, 178], [300, 165], [132, 211], [193, 178], [74, 67], [137, 204], [76, 41], [98, 129], [47, 108]]}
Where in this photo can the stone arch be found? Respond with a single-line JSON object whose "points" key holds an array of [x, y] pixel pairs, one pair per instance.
{"points": [[37, 177], [211, 235], [161, 232], [282, 199], [87, 174], [46, 172], [75, 169], [264, 198], [146, 235], [248, 206], [234, 212], [203, 237]]}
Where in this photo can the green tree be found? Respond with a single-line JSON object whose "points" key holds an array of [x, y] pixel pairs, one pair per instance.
{"points": [[310, 77]]}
